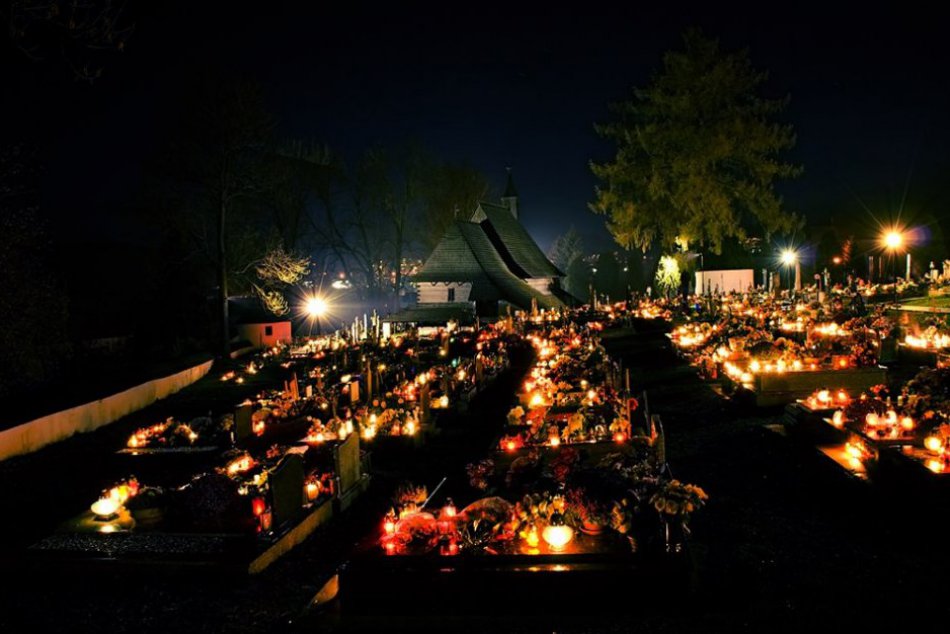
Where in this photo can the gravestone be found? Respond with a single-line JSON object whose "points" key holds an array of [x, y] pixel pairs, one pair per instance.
{"points": [[286, 488], [243, 422], [346, 458]]}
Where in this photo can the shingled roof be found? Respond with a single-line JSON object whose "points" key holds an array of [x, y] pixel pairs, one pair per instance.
{"points": [[520, 252], [466, 253]]}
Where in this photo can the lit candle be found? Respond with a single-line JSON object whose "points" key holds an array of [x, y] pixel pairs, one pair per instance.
{"points": [[266, 518], [313, 490]]}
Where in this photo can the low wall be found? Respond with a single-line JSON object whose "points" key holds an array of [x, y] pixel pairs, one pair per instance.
{"points": [[738, 280], [52, 428]]}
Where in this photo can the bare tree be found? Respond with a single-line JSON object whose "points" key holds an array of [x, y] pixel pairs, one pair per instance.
{"points": [[80, 32]]}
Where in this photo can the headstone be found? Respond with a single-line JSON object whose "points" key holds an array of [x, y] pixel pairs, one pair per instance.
{"points": [[368, 373], [354, 392], [424, 401], [286, 488], [346, 457], [243, 416]]}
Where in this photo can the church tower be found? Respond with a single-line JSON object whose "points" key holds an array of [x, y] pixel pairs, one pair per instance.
{"points": [[510, 197]]}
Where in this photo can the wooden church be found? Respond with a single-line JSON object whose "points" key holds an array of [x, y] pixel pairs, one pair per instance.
{"points": [[483, 264]]}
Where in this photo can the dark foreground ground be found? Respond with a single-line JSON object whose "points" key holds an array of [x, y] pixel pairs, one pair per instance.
{"points": [[787, 542]]}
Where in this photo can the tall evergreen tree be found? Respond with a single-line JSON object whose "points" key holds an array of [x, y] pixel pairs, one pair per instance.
{"points": [[697, 153]]}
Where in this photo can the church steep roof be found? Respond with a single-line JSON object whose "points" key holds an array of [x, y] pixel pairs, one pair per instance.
{"points": [[466, 253], [513, 242]]}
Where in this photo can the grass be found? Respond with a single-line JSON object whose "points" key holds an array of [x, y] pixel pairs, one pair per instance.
{"points": [[940, 301]]}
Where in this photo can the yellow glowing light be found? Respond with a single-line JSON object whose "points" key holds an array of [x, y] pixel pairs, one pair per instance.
{"points": [[532, 537], [105, 507], [932, 443], [316, 307], [935, 465], [557, 537], [312, 489], [893, 240], [555, 441], [410, 428], [837, 419], [789, 257]]}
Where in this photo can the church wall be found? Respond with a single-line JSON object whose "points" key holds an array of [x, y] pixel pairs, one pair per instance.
{"points": [[541, 284], [438, 292]]}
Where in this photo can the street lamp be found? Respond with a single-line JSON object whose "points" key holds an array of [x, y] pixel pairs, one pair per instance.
{"points": [[789, 259], [892, 240], [316, 308]]}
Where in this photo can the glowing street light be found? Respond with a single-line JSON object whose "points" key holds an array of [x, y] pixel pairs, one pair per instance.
{"points": [[316, 307], [892, 240], [789, 258]]}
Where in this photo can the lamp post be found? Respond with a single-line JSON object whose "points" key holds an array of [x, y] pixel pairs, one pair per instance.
{"points": [[893, 240], [789, 259], [316, 308]]}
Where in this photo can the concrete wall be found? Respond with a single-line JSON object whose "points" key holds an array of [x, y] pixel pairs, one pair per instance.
{"points": [[438, 292], [52, 428], [257, 333], [724, 281]]}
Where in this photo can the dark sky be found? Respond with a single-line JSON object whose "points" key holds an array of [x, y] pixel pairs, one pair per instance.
{"points": [[498, 86]]}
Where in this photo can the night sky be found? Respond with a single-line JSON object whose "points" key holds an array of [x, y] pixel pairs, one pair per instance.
{"points": [[497, 86]]}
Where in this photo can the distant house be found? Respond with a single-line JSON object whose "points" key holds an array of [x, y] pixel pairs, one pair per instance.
{"points": [[484, 263], [250, 322]]}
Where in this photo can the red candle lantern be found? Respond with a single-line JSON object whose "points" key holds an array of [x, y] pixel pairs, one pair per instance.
{"points": [[266, 518], [258, 506]]}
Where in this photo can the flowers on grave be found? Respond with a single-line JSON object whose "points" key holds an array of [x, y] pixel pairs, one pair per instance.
{"points": [[485, 520], [148, 507], [620, 428], [587, 511], [927, 395], [515, 415], [564, 463], [937, 445], [173, 433], [523, 470], [479, 473], [676, 499], [408, 498]]}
